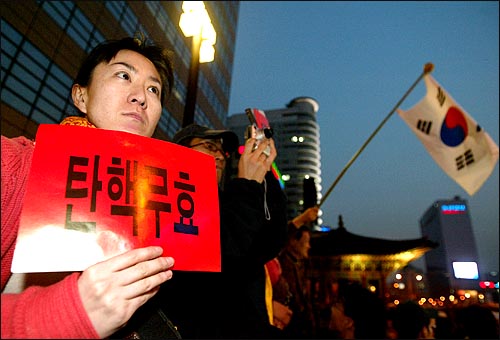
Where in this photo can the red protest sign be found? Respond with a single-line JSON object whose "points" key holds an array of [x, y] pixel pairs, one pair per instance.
{"points": [[95, 193]]}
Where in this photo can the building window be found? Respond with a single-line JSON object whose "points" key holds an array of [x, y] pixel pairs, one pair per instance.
{"points": [[127, 19], [31, 83], [71, 20]]}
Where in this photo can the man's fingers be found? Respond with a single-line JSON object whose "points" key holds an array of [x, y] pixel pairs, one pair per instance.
{"points": [[146, 269], [148, 286], [132, 257]]}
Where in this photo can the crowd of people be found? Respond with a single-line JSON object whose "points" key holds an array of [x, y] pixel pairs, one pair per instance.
{"points": [[262, 290]]}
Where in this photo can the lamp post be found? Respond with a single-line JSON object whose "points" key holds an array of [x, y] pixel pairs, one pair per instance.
{"points": [[195, 22]]}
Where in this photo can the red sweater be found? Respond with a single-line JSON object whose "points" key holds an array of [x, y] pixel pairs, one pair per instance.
{"points": [[55, 311]]}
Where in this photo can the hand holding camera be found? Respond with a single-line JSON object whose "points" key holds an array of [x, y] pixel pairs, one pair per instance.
{"points": [[254, 164]]}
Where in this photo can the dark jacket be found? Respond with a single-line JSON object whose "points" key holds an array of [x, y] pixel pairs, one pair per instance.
{"points": [[231, 304]]}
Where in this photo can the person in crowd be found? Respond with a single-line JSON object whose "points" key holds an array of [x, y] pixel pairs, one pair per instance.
{"points": [[280, 295], [292, 260], [277, 295], [475, 322], [357, 314], [410, 321], [121, 86], [444, 324], [231, 304]]}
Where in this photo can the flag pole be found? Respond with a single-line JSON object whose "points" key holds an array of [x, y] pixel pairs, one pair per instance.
{"points": [[428, 68]]}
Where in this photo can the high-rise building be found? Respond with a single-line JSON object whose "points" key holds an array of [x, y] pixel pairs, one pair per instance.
{"points": [[44, 42], [453, 265], [296, 136]]}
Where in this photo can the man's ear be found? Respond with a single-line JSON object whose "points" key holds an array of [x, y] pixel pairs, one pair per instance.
{"points": [[79, 94]]}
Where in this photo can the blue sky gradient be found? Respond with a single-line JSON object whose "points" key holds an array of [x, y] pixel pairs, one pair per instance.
{"points": [[357, 59]]}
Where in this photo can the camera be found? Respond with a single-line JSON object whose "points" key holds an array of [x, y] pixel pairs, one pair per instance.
{"points": [[259, 128]]}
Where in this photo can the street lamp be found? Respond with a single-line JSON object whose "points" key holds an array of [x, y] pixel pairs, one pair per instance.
{"points": [[195, 22]]}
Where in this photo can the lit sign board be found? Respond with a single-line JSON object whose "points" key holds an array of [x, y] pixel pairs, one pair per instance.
{"points": [[452, 209], [466, 270]]}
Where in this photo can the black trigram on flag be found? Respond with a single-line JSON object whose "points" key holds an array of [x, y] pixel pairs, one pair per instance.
{"points": [[424, 126], [463, 160], [441, 97]]}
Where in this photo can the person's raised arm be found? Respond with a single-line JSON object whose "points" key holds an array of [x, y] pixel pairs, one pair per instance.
{"points": [[308, 216]]}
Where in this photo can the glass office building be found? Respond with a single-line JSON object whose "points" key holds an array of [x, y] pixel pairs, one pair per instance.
{"points": [[453, 265], [44, 42]]}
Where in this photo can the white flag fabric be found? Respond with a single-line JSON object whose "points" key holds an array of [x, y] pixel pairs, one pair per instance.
{"points": [[456, 142]]}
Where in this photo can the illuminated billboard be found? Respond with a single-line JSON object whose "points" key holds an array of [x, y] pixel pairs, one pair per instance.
{"points": [[465, 270]]}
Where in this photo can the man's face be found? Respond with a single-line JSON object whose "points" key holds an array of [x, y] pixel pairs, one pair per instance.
{"points": [[211, 147], [123, 95], [303, 245]]}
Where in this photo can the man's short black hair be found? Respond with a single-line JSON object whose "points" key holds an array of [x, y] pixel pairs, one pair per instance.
{"points": [[107, 50]]}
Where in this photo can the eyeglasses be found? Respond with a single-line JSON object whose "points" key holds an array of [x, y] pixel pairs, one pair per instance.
{"points": [[212, 147]]}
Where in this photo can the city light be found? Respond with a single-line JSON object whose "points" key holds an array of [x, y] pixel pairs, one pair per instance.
{"points": [[195, 21], [296, 139]]}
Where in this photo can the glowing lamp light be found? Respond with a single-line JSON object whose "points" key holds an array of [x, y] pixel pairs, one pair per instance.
{"points": [[207, 52], [192, 17], [195, 21], [208, 33], [189, 25]]}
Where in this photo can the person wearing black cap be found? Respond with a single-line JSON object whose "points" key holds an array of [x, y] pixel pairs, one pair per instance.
{"points": [[253, 229], [219, 143]]}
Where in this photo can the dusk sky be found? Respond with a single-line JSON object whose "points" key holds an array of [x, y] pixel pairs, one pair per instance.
{"points": [[357, 59]]}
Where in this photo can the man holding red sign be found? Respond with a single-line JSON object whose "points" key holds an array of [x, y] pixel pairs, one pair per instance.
{"points": [[121, 86]]}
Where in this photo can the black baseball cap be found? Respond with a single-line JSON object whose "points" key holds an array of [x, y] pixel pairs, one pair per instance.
{"points": [[229, 139]]}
